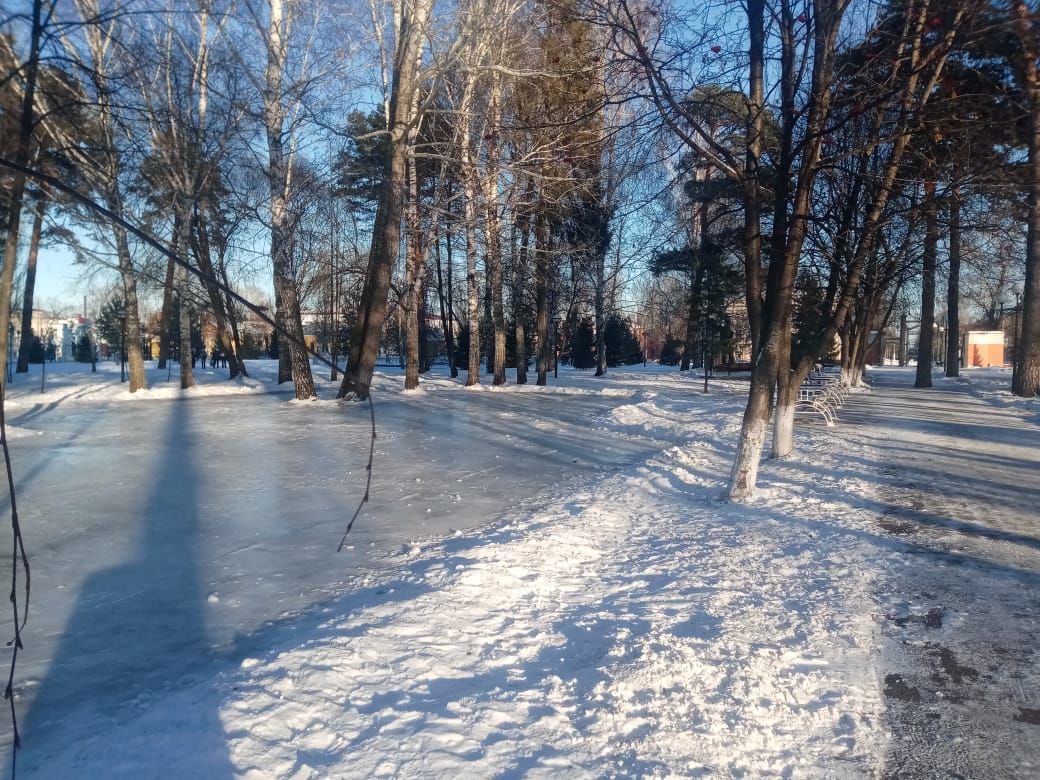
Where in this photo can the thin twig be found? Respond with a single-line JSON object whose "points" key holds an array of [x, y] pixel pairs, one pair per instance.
{"points": [[368, 476], [17, 549]]}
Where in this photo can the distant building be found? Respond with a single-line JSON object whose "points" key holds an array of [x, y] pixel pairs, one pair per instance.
{"points": [[53, 330], [982, 348]]}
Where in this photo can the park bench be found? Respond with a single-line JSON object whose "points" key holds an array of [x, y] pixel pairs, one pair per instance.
{"points": [[822, 393]]}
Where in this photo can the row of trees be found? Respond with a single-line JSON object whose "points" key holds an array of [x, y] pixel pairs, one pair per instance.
{"points": [[509, 165]]}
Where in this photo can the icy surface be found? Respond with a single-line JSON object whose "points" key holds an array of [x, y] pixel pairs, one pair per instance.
{"points": [[546, 583]]}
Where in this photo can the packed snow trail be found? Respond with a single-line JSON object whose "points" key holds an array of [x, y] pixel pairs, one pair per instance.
{"points": [[615, 624], [960, 497], [168, 537], [596, 612]]}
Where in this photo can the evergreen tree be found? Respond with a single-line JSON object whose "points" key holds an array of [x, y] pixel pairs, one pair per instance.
{"points": [[583, 345], [109, 327], [671, 352], [622, 345], [37, 353], [83, 352]]}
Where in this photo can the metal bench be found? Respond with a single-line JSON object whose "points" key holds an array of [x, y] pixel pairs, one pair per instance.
{"points": [[822, 393]]}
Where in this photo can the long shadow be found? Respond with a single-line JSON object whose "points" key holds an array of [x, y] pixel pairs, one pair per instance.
{"points": [[135, 633]]}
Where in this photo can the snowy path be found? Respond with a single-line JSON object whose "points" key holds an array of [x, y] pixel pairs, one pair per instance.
{"points": [[623, 622], [960, 498], [576, 602], [171, 537]]}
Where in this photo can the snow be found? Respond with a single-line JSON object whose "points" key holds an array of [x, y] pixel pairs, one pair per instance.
{"points": [[546, 583]]}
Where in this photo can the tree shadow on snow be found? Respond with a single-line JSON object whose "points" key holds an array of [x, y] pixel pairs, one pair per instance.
{"points": [[135, 635]]}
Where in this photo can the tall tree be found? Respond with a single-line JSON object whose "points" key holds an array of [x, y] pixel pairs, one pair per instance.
{"points": [[276, 109], [40, 18], [1025, 23], [410, 20]]}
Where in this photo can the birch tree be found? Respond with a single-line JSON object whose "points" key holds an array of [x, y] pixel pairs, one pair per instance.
{"points": [[410, 22], [277, 106]]}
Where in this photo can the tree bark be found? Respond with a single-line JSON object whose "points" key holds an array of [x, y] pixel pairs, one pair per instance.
{"points": [[166, 313], [201, 249], [470, 195], [790, 224], [601, 319], [134, 358], [181, 239], [1026, 379], [30, 284], [447, 315], [541, 296], [415, 262], [278, 174], [367, 332], [184, 312], [498, 315], [22, 156], [953, 290], [925, 341], [521, 258], [752, 206]]}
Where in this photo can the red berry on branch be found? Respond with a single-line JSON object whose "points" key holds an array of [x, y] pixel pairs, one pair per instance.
{"points": [[716, 49]]}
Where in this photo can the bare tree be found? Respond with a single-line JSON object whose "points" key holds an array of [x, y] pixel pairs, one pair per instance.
{"points": [[410, 21], [276, 108], [1025, 23]]}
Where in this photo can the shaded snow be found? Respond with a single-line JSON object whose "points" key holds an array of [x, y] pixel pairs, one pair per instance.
{"points": [[546, 584]]}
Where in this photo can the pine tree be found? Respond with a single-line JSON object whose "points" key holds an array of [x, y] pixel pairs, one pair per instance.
{"points": [[84, 350], [583, 345]]}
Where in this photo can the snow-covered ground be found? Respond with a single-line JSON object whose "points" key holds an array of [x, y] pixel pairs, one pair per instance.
{"points": [[545, 584]]}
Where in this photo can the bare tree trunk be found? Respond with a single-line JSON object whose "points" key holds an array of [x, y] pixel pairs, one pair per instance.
{"points": [[201, 249], [22, 155], [487, 335], [789, 229], [925, 341], [367, 332], [284, 359], [236, 339], [953, 290], [183, 295], [692, 321], [134, 358], [1026, 380], [541, 296], [447, 315], [600, 314], [278, 178], [30, 284], [413, 291], [472, 304], [181, 239], [471, 193], [166, 313], [521, 258], [169, 291], [752, 195], [787, 386], [498, 315]]}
